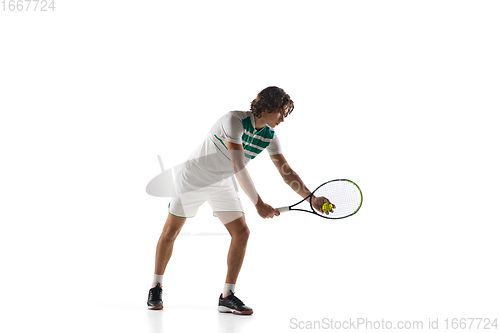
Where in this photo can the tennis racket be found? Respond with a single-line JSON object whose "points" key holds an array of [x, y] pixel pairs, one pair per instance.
{"points": [[344, 194]]}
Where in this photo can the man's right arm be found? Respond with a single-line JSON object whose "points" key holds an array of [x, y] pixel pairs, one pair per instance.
{"points": [[237, 155]]}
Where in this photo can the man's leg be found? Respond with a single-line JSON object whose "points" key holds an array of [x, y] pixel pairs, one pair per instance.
{"points": [[239, 232], [163, 253], [165, 245], [239, 237]]}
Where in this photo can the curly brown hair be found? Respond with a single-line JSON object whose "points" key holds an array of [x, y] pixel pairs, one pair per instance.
{"points": [[272, 99]]}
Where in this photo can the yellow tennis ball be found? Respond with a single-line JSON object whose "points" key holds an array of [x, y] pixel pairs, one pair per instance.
{"points": [[327, 207]]}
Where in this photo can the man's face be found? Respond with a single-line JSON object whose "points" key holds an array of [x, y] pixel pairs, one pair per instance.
{"points": [[273, 118]]}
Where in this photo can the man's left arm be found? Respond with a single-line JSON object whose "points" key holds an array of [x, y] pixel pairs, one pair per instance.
{"points": [[293, 180]]}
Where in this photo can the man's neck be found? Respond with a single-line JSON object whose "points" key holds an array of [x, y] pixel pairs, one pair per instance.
{"points": [[259, 124]]}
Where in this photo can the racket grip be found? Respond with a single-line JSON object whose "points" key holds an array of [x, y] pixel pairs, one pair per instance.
{"points": [[283, 209]]}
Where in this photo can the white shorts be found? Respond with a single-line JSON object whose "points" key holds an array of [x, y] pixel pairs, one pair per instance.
{"points": [[221, 196]]}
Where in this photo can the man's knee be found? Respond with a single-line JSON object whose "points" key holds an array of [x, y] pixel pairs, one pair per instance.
{"points": [[169, 234], [243, 232]]}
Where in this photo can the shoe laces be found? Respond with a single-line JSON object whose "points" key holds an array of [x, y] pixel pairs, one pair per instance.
{"points": [[235, 300], [154, 296]]}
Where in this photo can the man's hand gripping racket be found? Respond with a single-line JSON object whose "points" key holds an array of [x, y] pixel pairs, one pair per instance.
{"points": [[335, 199]]}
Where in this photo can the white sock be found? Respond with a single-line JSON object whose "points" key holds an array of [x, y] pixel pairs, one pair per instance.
{"points": [[228, 287], [157, 279]]}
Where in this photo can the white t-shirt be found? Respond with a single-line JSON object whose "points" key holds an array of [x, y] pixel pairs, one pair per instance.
{"points": [[239, 127], [210, 162]]}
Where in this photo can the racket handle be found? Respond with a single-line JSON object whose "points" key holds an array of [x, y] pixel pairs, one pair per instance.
{"points": [[283, 209]]}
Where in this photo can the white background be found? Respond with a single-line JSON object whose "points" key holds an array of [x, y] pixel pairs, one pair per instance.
{"points": [[399, 96]]}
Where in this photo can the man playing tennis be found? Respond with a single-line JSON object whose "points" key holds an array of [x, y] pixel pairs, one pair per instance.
{"points": [[234, 140]]}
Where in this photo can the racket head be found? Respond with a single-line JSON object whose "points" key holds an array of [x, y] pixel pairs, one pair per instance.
{"points": [[344, 194]]}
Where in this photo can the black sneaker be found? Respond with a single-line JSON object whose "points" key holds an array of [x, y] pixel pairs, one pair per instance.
{"points": [[232, 304], [154, 299]]}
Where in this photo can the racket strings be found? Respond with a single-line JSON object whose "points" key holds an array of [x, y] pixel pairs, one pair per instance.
{"points": [[344, 194]]}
